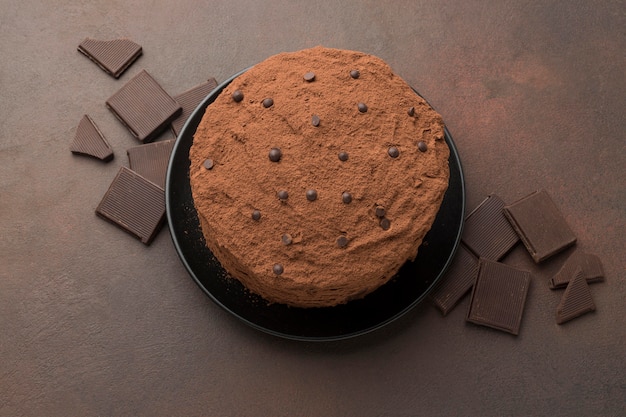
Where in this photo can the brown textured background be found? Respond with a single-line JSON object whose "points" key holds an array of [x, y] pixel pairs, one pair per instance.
{"points": [[93, 323]]}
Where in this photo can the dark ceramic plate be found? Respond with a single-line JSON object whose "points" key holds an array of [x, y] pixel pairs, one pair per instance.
{"points": [[392, 300]]}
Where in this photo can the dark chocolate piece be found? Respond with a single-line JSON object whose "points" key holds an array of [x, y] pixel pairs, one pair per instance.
{"points": [[343, 156], [393, 152], [355, 74], [499, 296], [346, 197], [456, 282], [487, 232], [589, 264], [256, 215], [275, 154], [576, 299], [268, 102], [189, 100], [411, 111], [385, 223], [89, 141], [134, 204], [112, 56], [422, 146], [540, 225], [315, 120], [278, 269], [143, 107], [237, 96], [342, 241], [208, 163], [311, 195], [309, 76], [380, 211], [151, 160], [283, 195], [362, 107], [287, 239]]}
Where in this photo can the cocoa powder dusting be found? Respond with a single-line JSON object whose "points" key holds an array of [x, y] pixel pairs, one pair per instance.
{"points": [[337, 251]]}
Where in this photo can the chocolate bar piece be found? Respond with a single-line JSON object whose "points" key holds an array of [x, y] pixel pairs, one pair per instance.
{"points": [[134, 204], [589, 264], [457, 281], [151, 160], [576, 299], [189, 100], [112, 56], [540, 225], [499, 296], [487, 232], [143, 107], [89, 141]]}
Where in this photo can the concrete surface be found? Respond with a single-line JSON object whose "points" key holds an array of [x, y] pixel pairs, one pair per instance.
{"points": [[93, 323]]}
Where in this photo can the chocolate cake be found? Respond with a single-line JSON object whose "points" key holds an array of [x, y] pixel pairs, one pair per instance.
{"points": [[316, 175]]}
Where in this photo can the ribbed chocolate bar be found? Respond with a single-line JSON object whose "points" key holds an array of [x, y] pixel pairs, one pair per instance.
{"points": [[487, 232], [143, 107], [499, 296], [151, 160], [576, 299], [189, 100], [134, 204], [540, 225], [456, 282], [112, 56], [89, 141], [589, 264]]}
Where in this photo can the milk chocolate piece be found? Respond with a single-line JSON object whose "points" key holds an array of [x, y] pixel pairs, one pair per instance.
{"points": [[487, 232], [540, 225], [112, 56], [189, 100], [457, 281], [589, 264], [151, 160], [576, 299], [143, 107], [499, 296], [134, 204], [89, 141]]}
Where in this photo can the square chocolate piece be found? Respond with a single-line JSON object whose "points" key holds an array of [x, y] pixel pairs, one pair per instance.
{"points": [[540, 225], [189, 100], [151, 160], [143, 107], [456, 282], [499, 296], [487, 232], [134, 204]]}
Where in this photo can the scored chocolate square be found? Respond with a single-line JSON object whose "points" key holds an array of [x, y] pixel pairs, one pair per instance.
{"points": [[456, 282], [143, 106], [499, 296], [487, 232], [134, 204], [189, 100], [540, 225], [151, 160]]}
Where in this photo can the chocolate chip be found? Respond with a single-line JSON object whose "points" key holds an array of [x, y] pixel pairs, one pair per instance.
{"points": [[256, 215], [385, 223], [422, 146], [283, 195], [343, 156], [237, 96], [362, 107], [309, 76], [311, 195], [278, 269], [411, 111], [268, 102], [380, 211], [346, 197], [275, 154], [208, 163], [393, 152], [342, 241], [315, 120], [355, 74], [287, 239]]}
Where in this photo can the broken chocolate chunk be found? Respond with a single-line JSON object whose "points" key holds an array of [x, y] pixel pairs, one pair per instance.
{"points": [[589, 264], [576, 299], [151, 160], [113, 56], [189, 100], [89, 141]]}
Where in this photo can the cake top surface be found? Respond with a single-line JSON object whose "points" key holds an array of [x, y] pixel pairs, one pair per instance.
{"points": [[316, 175]]}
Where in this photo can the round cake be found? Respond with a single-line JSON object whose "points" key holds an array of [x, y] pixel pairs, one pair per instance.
{"points": [[316, 175]]}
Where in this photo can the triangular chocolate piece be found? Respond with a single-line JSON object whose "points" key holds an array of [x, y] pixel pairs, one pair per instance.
{"points": [[112, 56], [189, 100], [589, 264], [576, 299], [89, 141]]}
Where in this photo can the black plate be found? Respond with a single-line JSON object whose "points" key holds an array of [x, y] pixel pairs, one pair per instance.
{"points": [[384, 305]]}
